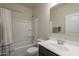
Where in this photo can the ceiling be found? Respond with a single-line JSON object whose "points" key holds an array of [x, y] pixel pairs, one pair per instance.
{"points": [[29, 5], [32, 5]]}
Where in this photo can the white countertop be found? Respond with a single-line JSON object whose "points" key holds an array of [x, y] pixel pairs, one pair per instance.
{"points": [[62, 50]]}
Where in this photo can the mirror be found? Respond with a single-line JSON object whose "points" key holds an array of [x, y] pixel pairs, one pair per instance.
{"points": [[64, 18], [72, 23]]}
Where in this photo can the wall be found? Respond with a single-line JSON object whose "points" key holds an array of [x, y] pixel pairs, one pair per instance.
{"points": [[71, 37], [41, 12], [18, 8], [67, 38], [58, 14]]}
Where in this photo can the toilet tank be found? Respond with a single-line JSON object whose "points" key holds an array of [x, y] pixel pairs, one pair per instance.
{"points": [[40, 40]]}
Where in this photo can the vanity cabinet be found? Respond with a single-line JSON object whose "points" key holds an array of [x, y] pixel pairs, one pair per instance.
{"points": [[45, 52]]}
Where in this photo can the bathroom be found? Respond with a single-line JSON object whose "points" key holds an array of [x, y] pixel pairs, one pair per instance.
{"points": [[39, 29]]}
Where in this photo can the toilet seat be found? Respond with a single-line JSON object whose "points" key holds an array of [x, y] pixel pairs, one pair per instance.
{"points": [[32, 50]]}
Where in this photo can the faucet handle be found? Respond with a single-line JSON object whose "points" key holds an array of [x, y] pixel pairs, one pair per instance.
{"points": [[60, 42]]}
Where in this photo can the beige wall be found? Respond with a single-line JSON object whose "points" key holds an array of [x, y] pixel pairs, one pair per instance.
{"points": [[27, 12], [41, 12], [58, 14]]}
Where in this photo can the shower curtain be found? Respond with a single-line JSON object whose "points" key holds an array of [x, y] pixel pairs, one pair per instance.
{"points": [[6, 32]]}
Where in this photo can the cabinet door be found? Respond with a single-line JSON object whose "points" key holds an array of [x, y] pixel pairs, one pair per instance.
{"points": [[45, 52]]}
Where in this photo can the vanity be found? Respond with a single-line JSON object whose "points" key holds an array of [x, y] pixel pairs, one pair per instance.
{"points": [[43, 51], [52, 48]]}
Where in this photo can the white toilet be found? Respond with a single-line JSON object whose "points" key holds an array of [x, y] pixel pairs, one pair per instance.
{"points": [[32, 51]]}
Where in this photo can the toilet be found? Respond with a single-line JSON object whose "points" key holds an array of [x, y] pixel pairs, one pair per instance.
{"points": [[32, 51]]}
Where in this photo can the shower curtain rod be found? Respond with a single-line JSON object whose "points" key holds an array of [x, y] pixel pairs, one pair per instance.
{"points": [[11, 9]]}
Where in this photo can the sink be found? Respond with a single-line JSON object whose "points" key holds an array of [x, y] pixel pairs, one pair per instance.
{"points": [[57, 46]]}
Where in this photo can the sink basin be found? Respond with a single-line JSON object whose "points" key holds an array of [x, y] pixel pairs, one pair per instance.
{"points": [[59, 47], [54, 45]]}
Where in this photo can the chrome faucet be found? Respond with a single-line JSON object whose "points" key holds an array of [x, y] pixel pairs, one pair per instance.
{"points": [[60, 42]]}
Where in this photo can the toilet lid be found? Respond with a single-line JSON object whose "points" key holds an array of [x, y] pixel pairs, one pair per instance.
{"points": [[32, 50]]}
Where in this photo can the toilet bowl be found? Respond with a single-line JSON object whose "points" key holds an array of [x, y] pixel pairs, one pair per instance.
{"points": [[32, 51]]}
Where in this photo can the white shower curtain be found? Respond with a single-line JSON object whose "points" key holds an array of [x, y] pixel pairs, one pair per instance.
{"points": [[7, 30]]}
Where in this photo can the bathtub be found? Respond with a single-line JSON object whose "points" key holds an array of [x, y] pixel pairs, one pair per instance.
{"points": [[21, 51]]}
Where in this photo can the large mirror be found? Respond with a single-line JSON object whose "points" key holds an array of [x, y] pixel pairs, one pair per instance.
{"points": [[64, 18]]}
